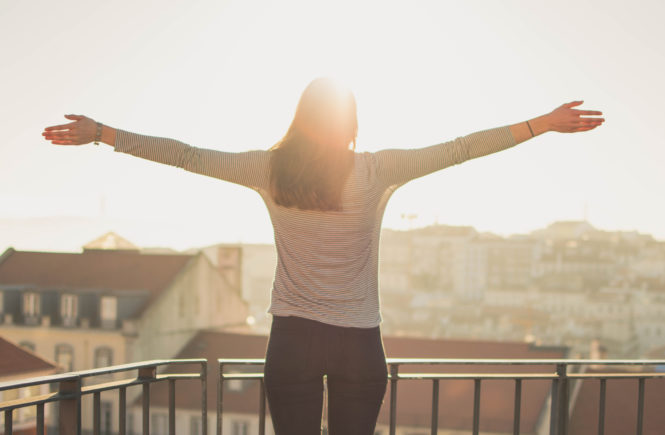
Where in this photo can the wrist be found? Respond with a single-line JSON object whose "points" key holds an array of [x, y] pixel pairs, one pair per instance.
{"points": [[540, 124], [108, 135]]}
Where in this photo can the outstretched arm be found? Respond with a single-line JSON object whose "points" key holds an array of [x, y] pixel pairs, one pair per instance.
{"points": [[395, 167], [247, 168]]}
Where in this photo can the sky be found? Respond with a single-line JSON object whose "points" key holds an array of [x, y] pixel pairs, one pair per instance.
{"points": [[227, 75]]}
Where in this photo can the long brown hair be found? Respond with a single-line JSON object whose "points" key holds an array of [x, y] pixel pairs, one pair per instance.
{"points": [[309, 165]]}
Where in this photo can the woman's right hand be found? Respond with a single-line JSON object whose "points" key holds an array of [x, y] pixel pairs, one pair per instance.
{"points": [[79, 132], [565, 119]]}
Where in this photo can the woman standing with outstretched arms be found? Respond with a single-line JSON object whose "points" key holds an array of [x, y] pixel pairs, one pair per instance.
{"points": [[326, 204]]}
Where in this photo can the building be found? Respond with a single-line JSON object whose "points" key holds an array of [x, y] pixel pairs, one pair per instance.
{"points": [[19, 363], [104, 307]]}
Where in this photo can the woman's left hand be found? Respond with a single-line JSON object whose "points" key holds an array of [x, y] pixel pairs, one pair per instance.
{"points": [[79, 132]]}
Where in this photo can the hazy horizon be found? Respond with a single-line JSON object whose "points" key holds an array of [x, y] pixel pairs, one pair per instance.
{"points": [[76, 231]]}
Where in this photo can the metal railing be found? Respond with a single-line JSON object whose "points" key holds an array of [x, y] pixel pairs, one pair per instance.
{"points": [[70, 390], [559, 393]]}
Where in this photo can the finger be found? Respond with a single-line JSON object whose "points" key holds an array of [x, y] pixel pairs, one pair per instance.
{"points": [[573, 103], [57, 134], [76, 117], [61, 126], [587, 112], [63, 142]]}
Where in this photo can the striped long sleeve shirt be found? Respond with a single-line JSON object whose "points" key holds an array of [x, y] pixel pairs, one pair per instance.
{"points": [[327, 262]]}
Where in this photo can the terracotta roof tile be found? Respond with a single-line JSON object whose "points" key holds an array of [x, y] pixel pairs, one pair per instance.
{"points": [[93, 269], [16, 360]]}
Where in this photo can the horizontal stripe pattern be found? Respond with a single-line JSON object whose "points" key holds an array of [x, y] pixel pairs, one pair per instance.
{"points": [[327, 262]]}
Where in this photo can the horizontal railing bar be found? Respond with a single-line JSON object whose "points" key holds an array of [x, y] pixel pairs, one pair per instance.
{"points": [[481, 361], [241, 361], [491, 361], [95, 372], [135, 381], [616, 375], [35, 400], [458, 376], [513, 376], [90, 389], [241, 376]]}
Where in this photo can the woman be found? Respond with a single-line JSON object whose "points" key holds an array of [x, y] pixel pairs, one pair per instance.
{"points": [[326, 203]]}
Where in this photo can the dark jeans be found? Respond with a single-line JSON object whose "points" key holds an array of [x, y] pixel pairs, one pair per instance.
{"points": [[300, 351]]}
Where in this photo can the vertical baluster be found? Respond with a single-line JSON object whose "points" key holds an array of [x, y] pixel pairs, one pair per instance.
{"points": [[40, 419], [262, 407], [435, 406], [96, 404], [394, 370], [146, 409], [147, 374], [69, 420], [204, 397], [122, 411], [220, 398], [554, 406], [518, 407], [171, 406], [601, 407], [476, 406], [562, 370], [8, 422], [640, 405]]}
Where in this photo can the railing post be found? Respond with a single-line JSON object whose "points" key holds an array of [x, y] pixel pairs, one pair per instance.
{"points": [[220, 398], [601, 407], [562, 371], [435, 406], [262, 407], [122, 412], [204, 397], [640, 405], [554, 405], [394, 371], [40, 419], [96, 404], [9, 421], [518, 407], [171, 406], [476, 406], [559, 408], [146, 373], [69, 421]]}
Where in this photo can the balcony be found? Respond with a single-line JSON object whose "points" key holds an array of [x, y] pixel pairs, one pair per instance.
{"points": [[561, 376]]}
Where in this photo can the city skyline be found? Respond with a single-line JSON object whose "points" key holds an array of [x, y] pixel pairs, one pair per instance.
{"points": [[69, 234]]}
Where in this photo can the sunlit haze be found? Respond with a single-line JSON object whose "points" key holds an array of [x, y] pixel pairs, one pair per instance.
{"points": [[227, 75]]}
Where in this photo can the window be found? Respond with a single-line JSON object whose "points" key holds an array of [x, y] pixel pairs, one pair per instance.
{"points": [[31, 307], [64, 356], [28, 345], [105, 411], [158, 424], [108, 311], [68, 309], [103, 357], [195, 426], [239, 427]]}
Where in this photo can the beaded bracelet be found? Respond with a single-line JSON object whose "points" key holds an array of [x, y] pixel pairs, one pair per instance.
{"points": [[98, 135]]}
